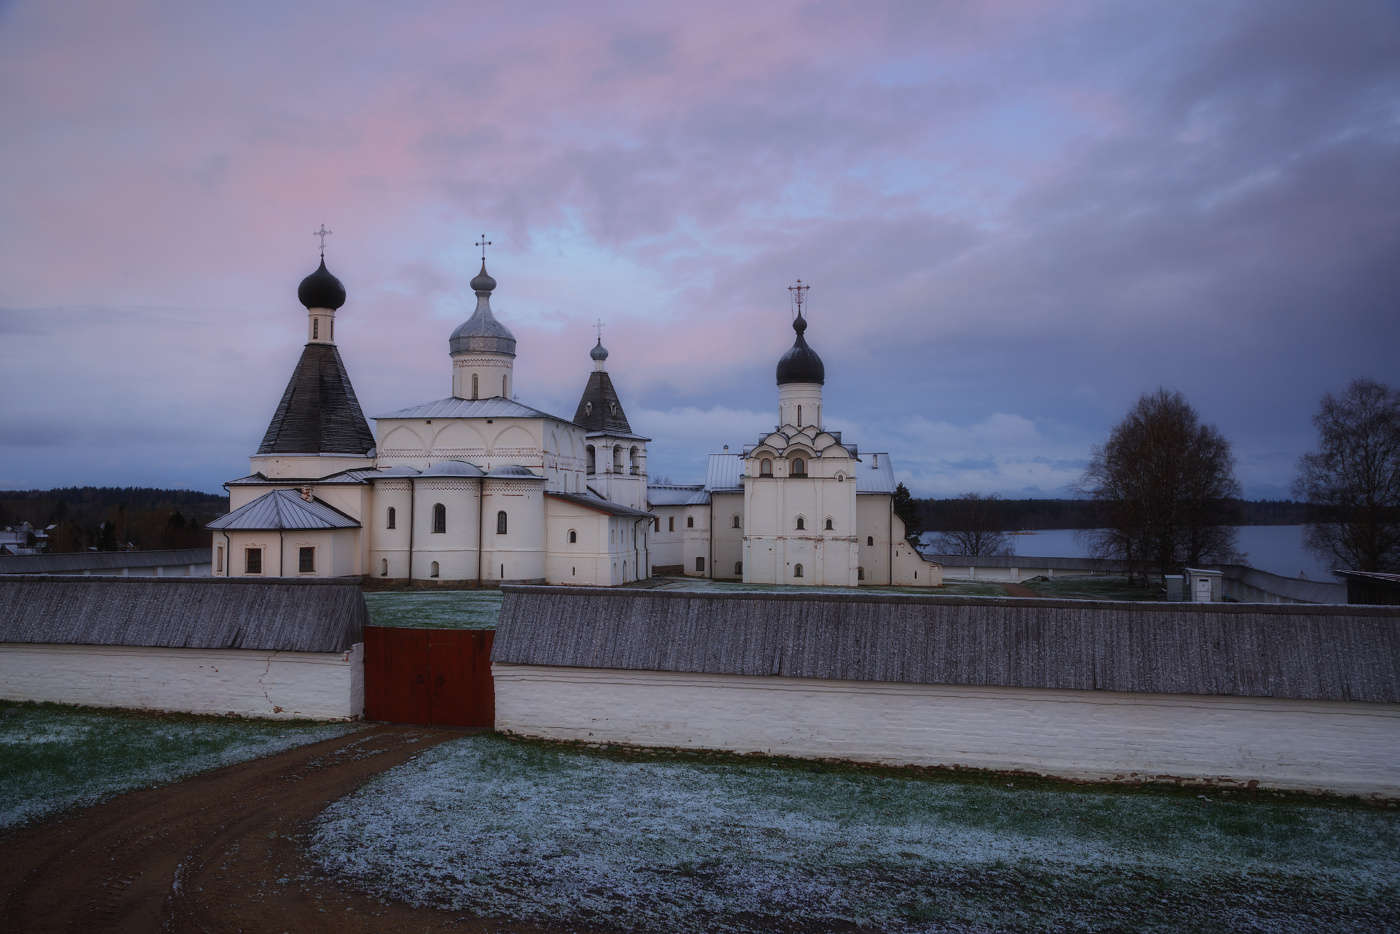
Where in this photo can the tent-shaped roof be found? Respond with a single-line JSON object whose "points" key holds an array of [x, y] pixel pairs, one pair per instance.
{"points": [[283, 509], [600, 410], [319, 413]]}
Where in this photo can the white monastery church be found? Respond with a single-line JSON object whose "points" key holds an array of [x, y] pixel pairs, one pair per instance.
{"points": [[477, 488]]}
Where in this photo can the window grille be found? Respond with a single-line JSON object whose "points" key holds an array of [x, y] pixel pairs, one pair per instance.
{"points": [[252, 561], [500, 523], [306, 560], [439, 518]]}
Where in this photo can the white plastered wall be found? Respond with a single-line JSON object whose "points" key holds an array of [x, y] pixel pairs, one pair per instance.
{"points": [[245, 682], [909, 567], [1337, 746]]}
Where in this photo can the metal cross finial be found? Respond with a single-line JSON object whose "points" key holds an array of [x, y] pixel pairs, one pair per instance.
{"points": [[323, 233], [799, 294], [484, 243], [598, 326]]}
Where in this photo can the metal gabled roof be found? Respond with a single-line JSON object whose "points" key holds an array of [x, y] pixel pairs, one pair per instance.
{"points": [[724, 472], [875, 474], [352, 476], [283, 509], [452, 407], [674, 494], [598, 503]]}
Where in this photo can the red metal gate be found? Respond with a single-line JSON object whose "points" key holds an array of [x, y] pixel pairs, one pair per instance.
{"points": [[436, 677]]}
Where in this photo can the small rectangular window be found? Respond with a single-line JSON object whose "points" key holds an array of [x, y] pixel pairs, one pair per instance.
{"points": [[671, 524], [252, 561], [700, 565], [220, 565], [306, 560]]}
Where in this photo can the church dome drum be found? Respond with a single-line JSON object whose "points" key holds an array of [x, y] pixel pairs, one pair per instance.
{"points": [[321, 289], [801, 364]]}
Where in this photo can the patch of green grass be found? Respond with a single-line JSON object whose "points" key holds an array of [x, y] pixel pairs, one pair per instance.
{"points": [[54, 757], [670, 840], [445, 609], [1092, 588]]}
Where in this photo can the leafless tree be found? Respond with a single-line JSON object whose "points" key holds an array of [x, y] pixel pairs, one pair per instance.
{"points": [[1352, 481], [975, 531], [1166, 486]]}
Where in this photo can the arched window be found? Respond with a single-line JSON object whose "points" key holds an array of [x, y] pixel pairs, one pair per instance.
{"points": [[828, 525], [439, 517], [501, 523], [636, 462], [860, 574], [476, 388], [870, 540], [592, 460], [700, 565], [315, 328], [332, 323], [765, 468], [383, 567], [617, 458], [392, 516], [573, 536], [736, 522], [797, 570], [801, 523], [799, 467], [799, 416], [433, 571], [738, 568], [690, 522], [624, 570]]}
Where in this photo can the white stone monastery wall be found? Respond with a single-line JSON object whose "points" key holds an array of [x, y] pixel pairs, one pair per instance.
{"points": [[1335, 746], [249, 683]]}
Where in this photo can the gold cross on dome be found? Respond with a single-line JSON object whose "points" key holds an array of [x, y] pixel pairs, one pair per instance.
{"points": [[799, 294], [323, 233]]}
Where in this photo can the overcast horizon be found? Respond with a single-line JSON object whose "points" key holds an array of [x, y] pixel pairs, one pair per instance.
{"points": [[1015, 218]]}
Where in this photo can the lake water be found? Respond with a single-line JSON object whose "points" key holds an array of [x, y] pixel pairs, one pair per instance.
{"points": [[1277, 549]]}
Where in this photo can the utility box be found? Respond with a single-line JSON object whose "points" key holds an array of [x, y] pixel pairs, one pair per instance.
{"points": [[1204, 586], [1176, 587]]}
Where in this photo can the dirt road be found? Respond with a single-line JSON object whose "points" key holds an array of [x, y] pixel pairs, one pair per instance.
{"points": [[216, 853]]}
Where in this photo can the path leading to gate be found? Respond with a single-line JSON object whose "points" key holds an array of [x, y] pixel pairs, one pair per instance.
{"points": [[220, 852]]}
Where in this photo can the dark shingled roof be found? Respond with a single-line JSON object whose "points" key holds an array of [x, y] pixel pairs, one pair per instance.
{"points": [[1343, 653], [319, 413], [188, 613], [600, 409]]}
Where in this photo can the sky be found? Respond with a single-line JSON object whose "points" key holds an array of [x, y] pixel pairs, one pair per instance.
{"points": [[1015, 218]]}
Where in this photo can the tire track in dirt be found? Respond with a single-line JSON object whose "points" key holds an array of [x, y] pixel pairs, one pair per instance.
{"points": [[219, 852]]}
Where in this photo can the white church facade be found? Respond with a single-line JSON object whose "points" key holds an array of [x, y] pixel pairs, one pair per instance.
{"points": [[477, 488]]}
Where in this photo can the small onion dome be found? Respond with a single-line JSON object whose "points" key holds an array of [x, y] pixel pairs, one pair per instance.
{"points": [[483, 282], [482, 333], [599, 353], [801, 364], [321, 289]]}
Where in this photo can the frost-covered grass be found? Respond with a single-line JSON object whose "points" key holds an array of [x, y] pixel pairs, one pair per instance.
{"points": [[54, 757], [1092, 588], [444, 609], [665, 841]]}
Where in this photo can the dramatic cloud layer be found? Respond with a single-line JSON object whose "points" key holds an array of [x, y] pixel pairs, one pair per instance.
{"points": [[1015, 218]]}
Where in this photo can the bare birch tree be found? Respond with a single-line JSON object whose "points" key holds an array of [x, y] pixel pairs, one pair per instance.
{"points": [[1352, 480], [974, 529]]}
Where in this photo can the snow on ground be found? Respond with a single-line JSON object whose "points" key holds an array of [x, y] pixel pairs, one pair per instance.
{"points": [[646, 841], [443, 609], [57, 757]]}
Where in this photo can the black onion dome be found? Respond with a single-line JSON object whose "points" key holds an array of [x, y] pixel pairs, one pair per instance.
{"points": [[801, 364], [482, 281], [600, 352], [321, 289]]}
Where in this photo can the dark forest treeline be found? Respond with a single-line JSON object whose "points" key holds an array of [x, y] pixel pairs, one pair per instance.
{"points": [[109, 518], [1015, 515]]}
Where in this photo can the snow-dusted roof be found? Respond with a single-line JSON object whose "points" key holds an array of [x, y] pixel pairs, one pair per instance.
{"points": [[724, 472], [452, 407], [676, 494], [283, 509], [452, 469], [598, 503], [875, 474]]}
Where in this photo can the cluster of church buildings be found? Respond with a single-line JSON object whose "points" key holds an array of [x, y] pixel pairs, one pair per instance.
{"points": [[477, 488]]}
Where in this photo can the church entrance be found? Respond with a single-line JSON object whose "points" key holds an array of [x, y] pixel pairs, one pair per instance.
{"points": [[433, 677]]}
